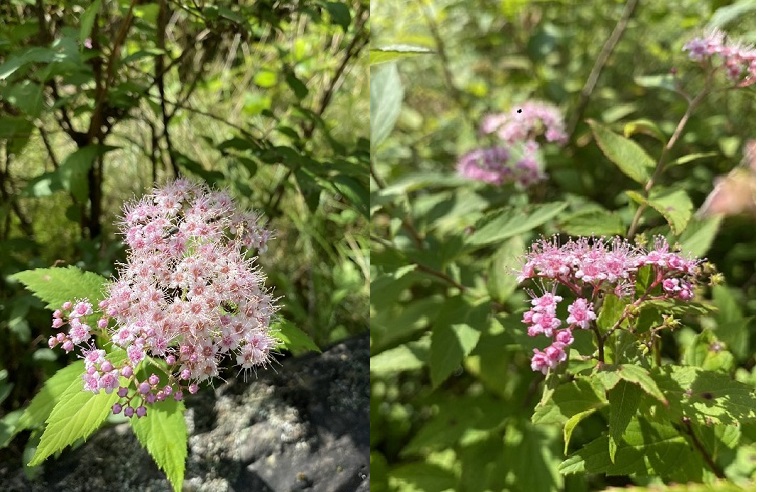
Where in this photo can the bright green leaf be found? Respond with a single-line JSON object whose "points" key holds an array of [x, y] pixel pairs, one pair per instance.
{"points": [[395, 52], [292, 338], [673, 204], [76, 415], [58, 285], [630, 158], [163, 433]]}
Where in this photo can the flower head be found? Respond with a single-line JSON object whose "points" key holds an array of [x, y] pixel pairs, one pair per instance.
{"points": [[188, 294]]}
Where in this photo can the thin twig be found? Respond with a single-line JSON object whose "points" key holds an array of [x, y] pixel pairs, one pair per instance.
{"points": [[705, 455], [599, 65]]}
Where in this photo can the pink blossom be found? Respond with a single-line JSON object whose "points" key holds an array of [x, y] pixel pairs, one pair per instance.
{"points": [[581, 313]]}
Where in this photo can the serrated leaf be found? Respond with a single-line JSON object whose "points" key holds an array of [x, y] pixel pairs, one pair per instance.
{"points": [[511, 222], [705, 396], [648, 448], [386, 101], [642, 377], [673, 204], [624, 401], [568, 400], [76, 415], [43, 403], [292, 338], [58, 285], [395, 52], [630, 158], [163, 433]]}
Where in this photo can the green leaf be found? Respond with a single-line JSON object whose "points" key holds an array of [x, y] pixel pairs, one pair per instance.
{"points": [[88, 20], [571, 424], [386, 101], [707, 352], [511, 222], [340, 14], [163, 433], [406, 357], [502, 283], [298, 87], [729, 13], [420, 477], [528, 451], [648, 449], [34, 54], [699, 235], [593, 223], [624, 402], [292, 338], [457, 416], [58, 285], [642, 377], [73, 170], [644, 126], [630, 158], [455, 333], [76, 415], [673, 204], [26, 96], [665, 81], [265, 79], [705, 396], [611, 312], [43, 403], [567, 401], [395, 52]]}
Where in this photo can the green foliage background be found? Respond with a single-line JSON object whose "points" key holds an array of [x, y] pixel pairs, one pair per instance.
{"points": [[101, 100], [453, 395]]}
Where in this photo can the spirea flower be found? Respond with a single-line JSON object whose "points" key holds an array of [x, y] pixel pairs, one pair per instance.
{"points": [[188, 295], [526, 122], [516, 157], [591, 268], [736, 60], [497, 165]]}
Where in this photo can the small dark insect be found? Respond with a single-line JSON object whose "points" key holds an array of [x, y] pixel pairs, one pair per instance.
{"points": [[170, 232], [520, 111], [707, 395]]}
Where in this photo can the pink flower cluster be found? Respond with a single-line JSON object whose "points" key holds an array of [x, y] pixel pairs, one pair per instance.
{"points": [[543, 320], [590, 267], [188, 296], [517, 157], [736, 60], [526, 122], [494, 165]]}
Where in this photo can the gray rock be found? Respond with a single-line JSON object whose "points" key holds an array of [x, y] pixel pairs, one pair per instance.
{"points": [[304, 426]]}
